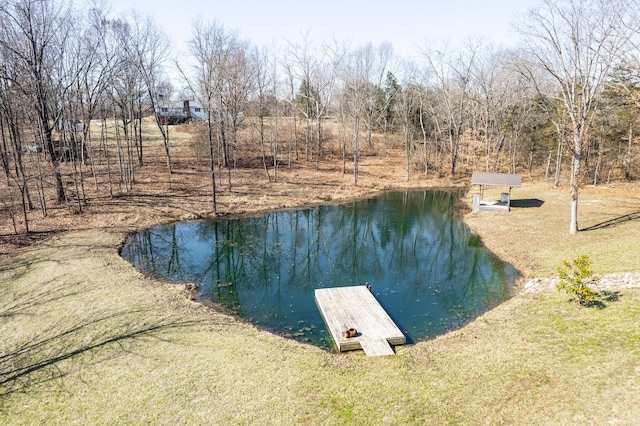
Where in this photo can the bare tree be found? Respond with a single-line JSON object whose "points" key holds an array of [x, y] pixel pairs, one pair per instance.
{"points": [[376, 63], [353, 97], [406, 108], [303, 69], [11, 152], [626, 85], [451, 74], [223, 73], [316, 70], [264, 91], [275, 110], [127, 89], [70, 97], [492, 91], [33, 35], [207, 48], [291, 100], [149, 47], [576, 43], [94, 79], [236, 76]]}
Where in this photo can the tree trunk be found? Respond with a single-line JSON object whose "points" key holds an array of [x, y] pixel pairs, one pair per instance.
{"points": [[276, 147], [598, 161], [575, 185], [103, 142], [48, 142], [356, 148], [262, 148], [407, 141], [424, 143], [455, 142], [212, 165], [556, 181], [627, 161], [343, 139]]}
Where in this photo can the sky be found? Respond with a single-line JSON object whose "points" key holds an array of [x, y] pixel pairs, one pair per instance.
{"points": [[406, 24]]}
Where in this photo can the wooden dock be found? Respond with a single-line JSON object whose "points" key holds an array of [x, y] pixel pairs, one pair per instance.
{"points": [[355, 307]]}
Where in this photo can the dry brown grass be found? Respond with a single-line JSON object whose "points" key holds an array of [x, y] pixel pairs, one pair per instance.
{"points": [[87, 339], [160, 197], [536, 239]]}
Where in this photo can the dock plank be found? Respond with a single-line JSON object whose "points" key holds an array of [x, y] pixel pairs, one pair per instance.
{"points": [[376, 347], [355, 307]]}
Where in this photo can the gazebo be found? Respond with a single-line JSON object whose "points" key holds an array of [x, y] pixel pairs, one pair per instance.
{"points": [[484, 179]]}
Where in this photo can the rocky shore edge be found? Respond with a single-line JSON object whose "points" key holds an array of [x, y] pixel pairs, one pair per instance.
{"points": [[608, 282]]}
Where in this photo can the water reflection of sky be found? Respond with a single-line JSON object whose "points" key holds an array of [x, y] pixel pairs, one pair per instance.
{"points": [[424, 265]]}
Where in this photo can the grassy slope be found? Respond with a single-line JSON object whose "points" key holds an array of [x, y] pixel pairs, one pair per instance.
{"points": [[536, 239], [86, 339]]}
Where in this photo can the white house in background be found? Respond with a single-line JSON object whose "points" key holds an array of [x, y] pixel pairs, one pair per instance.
{"points": [[186, 114]]}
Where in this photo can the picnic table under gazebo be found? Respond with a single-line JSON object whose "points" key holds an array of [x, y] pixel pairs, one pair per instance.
{"points": [[484, 179]]}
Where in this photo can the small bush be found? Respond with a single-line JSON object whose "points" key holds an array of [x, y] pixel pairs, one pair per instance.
{"points": [[575, 278]]}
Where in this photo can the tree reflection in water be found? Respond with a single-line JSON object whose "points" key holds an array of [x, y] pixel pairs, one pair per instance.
{"points": [[426, 268]]}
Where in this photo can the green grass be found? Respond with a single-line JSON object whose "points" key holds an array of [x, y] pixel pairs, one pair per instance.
{"points": [[536, 239], [86, 339]]}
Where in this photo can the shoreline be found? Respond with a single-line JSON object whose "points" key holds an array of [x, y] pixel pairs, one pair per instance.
{"points": [[608, 282]]}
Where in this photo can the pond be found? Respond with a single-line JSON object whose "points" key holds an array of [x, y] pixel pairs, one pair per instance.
{"points": [[426, 268]]}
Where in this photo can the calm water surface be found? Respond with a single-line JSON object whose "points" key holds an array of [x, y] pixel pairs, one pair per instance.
{"points": [[426, 268]]}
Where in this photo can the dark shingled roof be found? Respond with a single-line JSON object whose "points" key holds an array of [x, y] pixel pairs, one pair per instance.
{"points": [[496, 179]]}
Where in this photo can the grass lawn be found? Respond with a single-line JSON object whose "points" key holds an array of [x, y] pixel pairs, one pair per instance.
{"points": [[86, 339], [536, 238]]}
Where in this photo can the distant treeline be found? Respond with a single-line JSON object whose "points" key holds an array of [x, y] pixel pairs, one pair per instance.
{"points": [[77, 83]]}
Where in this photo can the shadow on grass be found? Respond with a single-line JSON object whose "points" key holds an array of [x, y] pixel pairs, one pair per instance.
{"points": [[39, 359], [527, 203], [601, 298], [613, 222], [22, 303], [22, 240]]}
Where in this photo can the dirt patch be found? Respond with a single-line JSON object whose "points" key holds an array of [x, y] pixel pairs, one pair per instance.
{"points": [[533, 237], [159, 197]]}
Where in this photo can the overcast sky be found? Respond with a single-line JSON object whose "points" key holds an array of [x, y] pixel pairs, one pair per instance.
{"points": [[403, 23]]}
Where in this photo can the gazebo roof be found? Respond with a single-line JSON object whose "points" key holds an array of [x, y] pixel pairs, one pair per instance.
{"points": [[496, 179]]}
